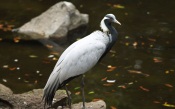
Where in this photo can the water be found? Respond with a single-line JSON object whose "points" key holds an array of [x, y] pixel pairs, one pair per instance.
{"points": [[142, 60]]}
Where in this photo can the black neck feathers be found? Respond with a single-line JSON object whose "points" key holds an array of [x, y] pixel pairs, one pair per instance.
{"points": [[112, 36], [112, 30]]}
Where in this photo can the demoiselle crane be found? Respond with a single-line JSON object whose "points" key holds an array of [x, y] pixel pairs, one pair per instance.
{"points": [[80, 57]]}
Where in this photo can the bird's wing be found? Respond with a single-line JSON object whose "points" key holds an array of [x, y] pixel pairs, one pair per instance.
{"points": [[65, 52], [76, 60], [81, 58]]}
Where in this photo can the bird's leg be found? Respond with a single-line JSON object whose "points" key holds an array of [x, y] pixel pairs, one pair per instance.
{"points": [[69, 97], [82, 88]]}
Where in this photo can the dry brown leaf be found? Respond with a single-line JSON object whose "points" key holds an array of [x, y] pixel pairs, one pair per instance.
{"points": [[49, 46], [122, 86], [111, 68], [13, 68], [144, 89], [77, 93], [169, 85], [151, 39], [135, 44], [103, 79], [157, 59], [112, 107], [16, 39]]}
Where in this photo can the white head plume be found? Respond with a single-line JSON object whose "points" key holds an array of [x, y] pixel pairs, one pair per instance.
{"points": [[111, 18]]}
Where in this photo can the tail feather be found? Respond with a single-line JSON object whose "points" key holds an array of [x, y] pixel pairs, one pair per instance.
{"points": [[50, 89], [48, 96]]}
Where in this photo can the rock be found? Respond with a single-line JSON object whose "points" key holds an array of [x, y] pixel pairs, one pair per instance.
{"points": [[5, 90], [91, 105], [28, 100], [55, 22], [33, 100]]}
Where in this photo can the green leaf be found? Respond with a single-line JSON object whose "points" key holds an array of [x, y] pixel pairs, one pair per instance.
{"points": [[91, 92], [76, 88]]}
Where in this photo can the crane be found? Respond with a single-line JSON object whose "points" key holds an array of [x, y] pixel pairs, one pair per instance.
{"points": [[80, 57]]}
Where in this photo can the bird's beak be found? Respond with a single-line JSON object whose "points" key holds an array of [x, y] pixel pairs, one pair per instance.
{"points": [[116, 21]]}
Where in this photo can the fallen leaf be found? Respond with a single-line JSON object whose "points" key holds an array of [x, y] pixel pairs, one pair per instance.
{"points": [[151, 46], [144, 89], [109, 84], [54, 59], [127, 43], [33, 56], [168, 105], [5, 66], [135, 44], [134, 71], [91, 92], [138, 72], [169, 85], [122, 86], [4, 80], [112, 107], [37, 71], [49, 46], [130, 83], [103, 79], [77, 93], [127, 37], [16, 39], [51, 56], [167, 72], [16, 60], [156, 102], [110, 68], [13, 68], [157, 59], [118, 6], [76, 88], [111, 81], [26, 81], [151, 39]]}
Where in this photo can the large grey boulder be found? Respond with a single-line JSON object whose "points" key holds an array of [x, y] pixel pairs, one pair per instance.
{"points": [[55, 22], [33, 100]]}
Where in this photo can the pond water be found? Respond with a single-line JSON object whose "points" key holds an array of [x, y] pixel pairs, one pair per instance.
{"points": [[142, 62]]}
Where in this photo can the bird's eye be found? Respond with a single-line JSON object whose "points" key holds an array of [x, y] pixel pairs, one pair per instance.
{"points": [[110, 18]]}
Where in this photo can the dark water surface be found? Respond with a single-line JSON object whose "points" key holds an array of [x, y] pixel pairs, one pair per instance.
{"points": [[142, 62]]}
